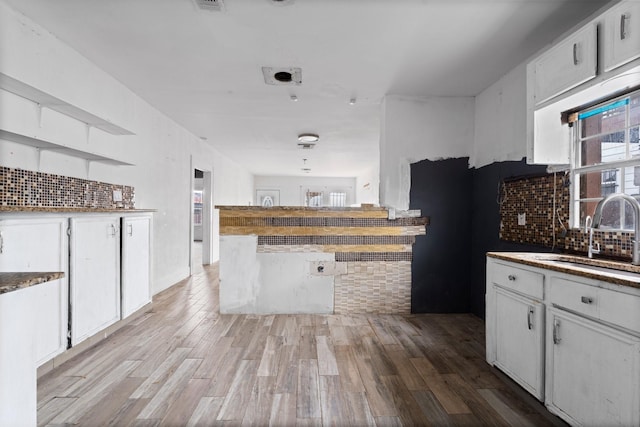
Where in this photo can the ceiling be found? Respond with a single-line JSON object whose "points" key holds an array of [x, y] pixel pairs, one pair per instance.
{"points": [[202, 68]]}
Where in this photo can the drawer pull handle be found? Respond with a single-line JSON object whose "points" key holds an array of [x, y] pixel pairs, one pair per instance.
{"points": [[511, 277], [576, 60], [556, 332], [586, 300], [623, 26], [530, 318]]}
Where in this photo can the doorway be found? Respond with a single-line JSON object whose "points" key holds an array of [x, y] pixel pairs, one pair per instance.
{"points": [[201, 219]]}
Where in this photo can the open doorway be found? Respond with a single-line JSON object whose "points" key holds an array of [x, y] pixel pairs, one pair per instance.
{"points": [[201, 219]]}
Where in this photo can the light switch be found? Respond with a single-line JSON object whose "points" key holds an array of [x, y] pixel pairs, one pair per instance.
{"points": [[117, 195]]}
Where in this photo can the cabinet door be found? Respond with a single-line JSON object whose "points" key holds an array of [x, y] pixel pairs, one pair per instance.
{"points": [[31, 245], [566, 65], [621, 34], [95, 275], [136, 233], [592, 372], [519, 340]]}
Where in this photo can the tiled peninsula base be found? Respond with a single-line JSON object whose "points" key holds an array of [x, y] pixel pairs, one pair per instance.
{"points": [[316, 260]]}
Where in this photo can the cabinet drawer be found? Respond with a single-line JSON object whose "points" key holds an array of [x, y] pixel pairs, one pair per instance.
{"points": [[523, 281], [617, 308], [574, 296]]}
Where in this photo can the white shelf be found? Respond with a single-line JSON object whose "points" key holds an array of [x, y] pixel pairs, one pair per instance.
{"points": [[43, 145], [29, 92]]}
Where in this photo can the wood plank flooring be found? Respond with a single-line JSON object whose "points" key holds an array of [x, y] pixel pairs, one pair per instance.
{"points": [[184, 364]]}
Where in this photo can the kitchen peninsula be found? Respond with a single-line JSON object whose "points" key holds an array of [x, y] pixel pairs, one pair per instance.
{"points": [[317, 260]]}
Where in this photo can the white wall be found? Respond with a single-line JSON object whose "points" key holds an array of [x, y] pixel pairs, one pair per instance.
{"points": [[415, 129], [291, 187], [500, 120], [161, 150], [368, 186]]}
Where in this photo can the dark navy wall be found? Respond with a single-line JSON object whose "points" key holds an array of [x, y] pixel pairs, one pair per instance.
{"points": [[440, 268], [486, 223], [449, 263]]}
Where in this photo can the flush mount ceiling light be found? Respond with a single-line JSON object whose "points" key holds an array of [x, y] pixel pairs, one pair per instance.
{"points": [[282, 75], [308, 137], [281, 2]]}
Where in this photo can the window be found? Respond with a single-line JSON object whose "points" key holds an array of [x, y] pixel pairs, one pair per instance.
{"points": [[606, 159], [337, 199]]}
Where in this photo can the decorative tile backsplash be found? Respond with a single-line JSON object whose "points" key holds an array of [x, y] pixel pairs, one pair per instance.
{"points": [[23, 188], [531, 200]]}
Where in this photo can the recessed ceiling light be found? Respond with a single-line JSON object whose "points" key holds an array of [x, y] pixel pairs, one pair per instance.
{"points": [[308, 137], [352, 101]]}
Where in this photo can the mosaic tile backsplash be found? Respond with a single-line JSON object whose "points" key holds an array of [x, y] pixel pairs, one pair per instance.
{"points": [[533, 199], [23, 188]]}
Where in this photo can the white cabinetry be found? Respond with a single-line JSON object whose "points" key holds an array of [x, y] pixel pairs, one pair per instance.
{"points": [[94, 275], [593, 353], [590, 341], [40, 245], [515, 315], [566, 65], [136, 292], [593, 372], [621, 34]]}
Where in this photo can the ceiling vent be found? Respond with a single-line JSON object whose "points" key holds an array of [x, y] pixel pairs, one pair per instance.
{"points": [[306, 145], [282, 75], [215, 5]]}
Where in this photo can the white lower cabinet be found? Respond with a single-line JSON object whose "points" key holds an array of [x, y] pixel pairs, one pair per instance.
{"points": [[593, 372], [94, 275], [40, 245], [136, 263], [569, 340], [519, 343]]}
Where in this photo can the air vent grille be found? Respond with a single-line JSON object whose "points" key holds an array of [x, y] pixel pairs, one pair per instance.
{"points": [[215, 5], [306, 145]]}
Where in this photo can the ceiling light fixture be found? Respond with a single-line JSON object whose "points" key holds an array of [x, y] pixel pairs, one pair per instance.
{"points": [[308, 137]]}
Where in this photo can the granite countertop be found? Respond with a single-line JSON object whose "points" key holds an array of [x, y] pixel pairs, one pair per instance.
{"points": [[618, 272], [12, 281], [44, 209]]}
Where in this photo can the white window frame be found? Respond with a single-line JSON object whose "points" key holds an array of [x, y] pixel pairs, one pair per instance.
{"points": [[575, 166]]}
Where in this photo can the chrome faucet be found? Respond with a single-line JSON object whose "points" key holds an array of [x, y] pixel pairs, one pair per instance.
{"points": [[597, 217], [589, 230]]}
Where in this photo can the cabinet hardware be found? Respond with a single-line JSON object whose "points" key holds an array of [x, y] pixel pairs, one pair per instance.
{"points": [[556, 332], [1, 243], [586, 300], [130, 229], [511, 277], [623, 26], [530, 318], [575, 54], [112, 230]]}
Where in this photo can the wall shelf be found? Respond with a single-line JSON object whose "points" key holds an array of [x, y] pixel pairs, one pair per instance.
{"points": [[43, 145], [45, 100]]}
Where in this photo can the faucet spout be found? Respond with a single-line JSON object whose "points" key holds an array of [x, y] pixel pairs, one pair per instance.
{"points": [[597, 218]]}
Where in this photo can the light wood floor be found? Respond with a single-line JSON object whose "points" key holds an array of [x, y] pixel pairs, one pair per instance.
{"points": [[182, 363]]}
